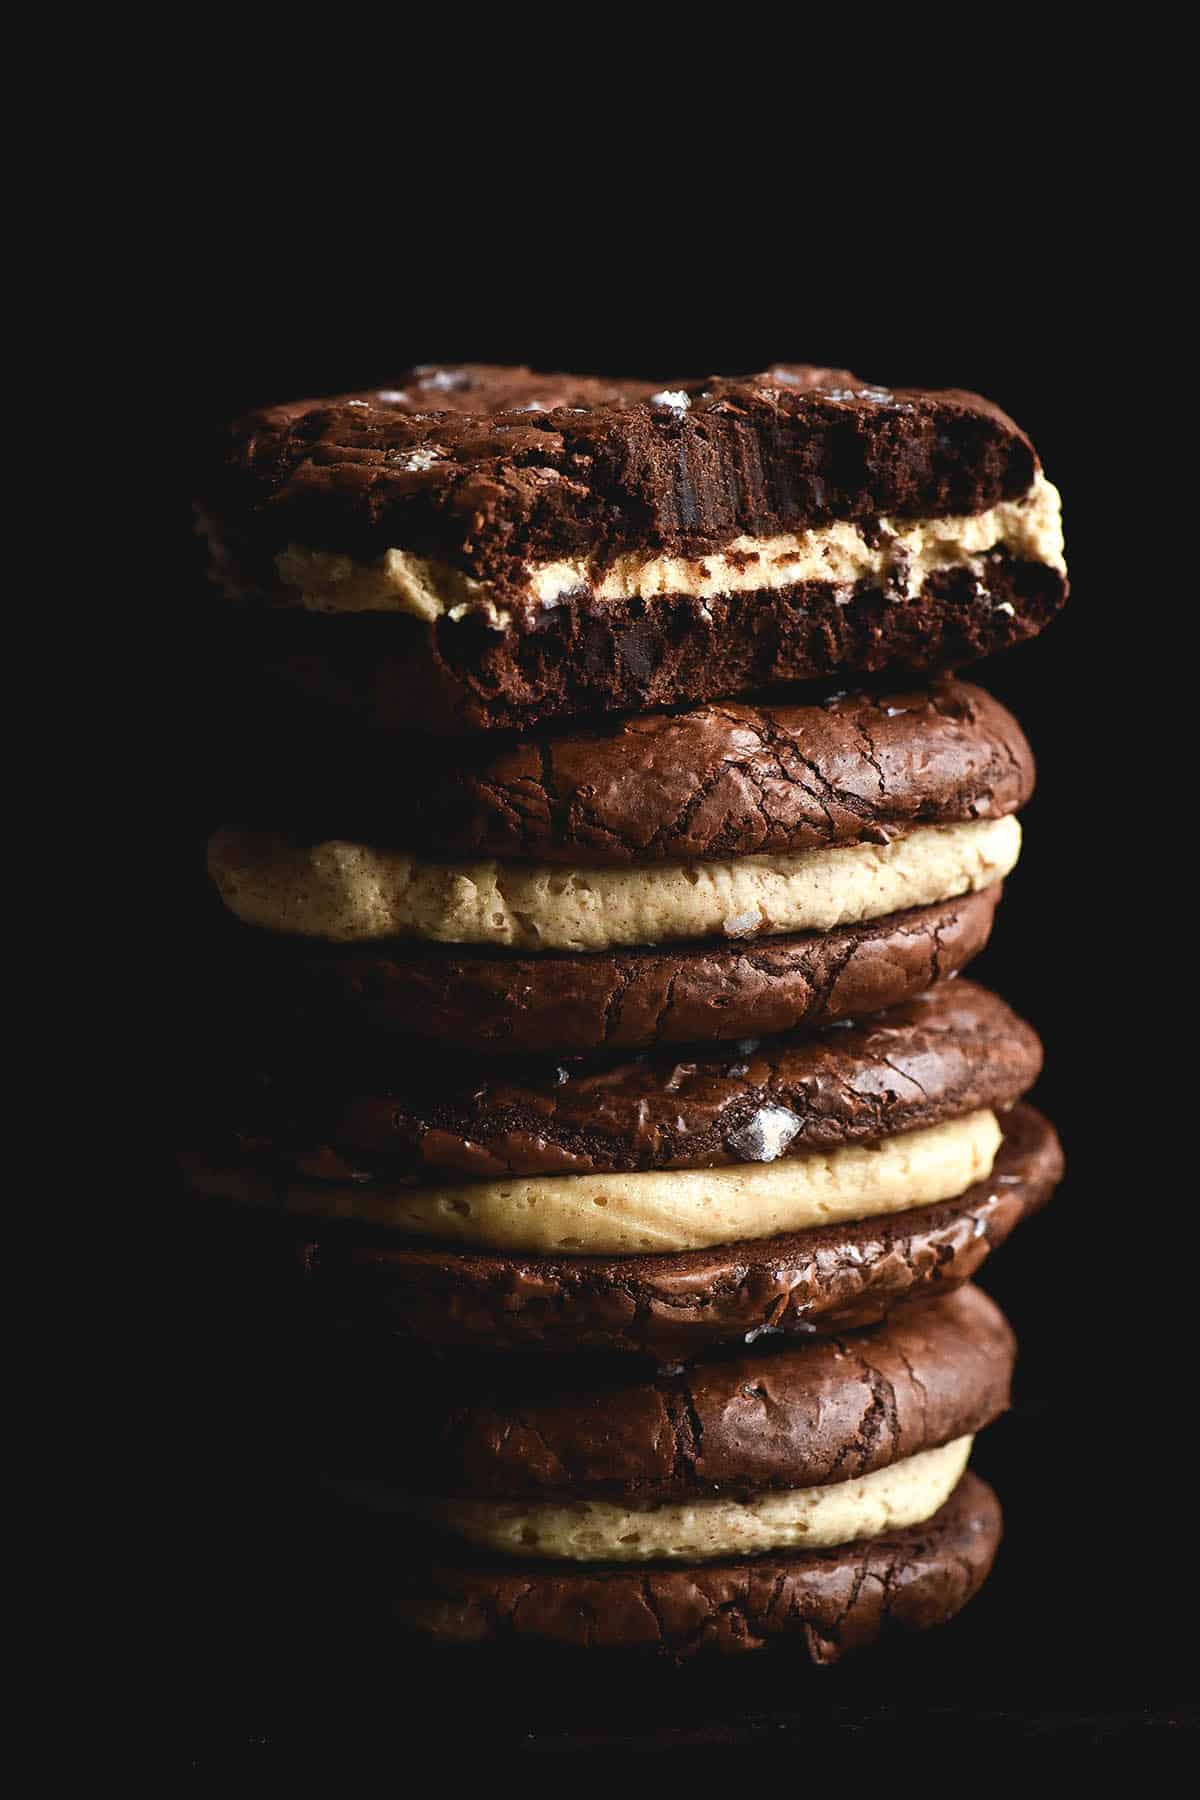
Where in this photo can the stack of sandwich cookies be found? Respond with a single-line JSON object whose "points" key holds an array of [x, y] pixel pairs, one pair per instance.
{"points": [[570, 1029]]}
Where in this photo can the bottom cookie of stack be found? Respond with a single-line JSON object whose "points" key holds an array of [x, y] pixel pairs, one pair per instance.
{"points": [[813, 1494]]}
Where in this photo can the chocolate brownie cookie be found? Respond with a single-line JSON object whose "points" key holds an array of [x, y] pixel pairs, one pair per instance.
{"points": [[705, 784], [620, 546], [951, 1051], [572, 1005], [774, 1415], [809, 1448]]}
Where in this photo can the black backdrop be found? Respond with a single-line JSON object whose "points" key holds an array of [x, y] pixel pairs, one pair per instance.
{"points": [[1082, 1627]]}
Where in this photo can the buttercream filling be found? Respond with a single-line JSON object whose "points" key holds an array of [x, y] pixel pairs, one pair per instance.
{"points": [[905, 1493], [353, 893], [650, 1210], [899, 556]]}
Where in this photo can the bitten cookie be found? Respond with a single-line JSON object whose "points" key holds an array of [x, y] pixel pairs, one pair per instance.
{"points": [[478, 548]]}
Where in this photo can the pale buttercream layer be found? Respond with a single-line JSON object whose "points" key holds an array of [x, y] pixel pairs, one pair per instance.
{"points": [[648, 1211], [353, 893], [905, 1493], [899, 556]]}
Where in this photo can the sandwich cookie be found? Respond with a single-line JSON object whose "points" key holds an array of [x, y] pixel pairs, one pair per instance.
{"points": [[813, 1492], [726, 872], [654, 1204], [478, 548]]}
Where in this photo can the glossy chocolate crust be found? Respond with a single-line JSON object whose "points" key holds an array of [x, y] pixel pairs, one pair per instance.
{"points": [[602, 469], [395, 673], [574, 1005], [776, 1416], [947, 1053], [715, 782], [822, 1281], [827, 1602]]}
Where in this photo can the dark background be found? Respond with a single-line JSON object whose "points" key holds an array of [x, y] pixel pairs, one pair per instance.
{"points": [[1083, 1630]]}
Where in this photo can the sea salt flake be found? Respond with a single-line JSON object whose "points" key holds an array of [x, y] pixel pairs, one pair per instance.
{"points": [[740, 924], [1006, 606], [447, 380], [392, 396], [416, 460], [675, 398], [758, 1331], [765, 1135]]}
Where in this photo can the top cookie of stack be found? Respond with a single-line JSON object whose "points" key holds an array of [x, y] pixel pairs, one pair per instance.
{"points": [[481, 548]]}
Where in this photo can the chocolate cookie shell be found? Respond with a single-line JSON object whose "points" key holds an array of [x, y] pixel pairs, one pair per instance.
{"points": [[447, 677], [714, 782], [821, 1281], [827, 1603], [616, 1000], [614, 469], [951, 1051], [778, 1415]]}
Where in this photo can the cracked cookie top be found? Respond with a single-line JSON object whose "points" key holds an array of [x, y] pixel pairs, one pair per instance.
{"points": [[727, 779], [787, 1415], [952, 1051]]}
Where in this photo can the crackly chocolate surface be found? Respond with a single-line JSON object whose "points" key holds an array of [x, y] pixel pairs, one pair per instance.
{"points": [[777, 1415], [723, 780], [612, 1000], [396, 672], [949, 1052], [604, 468], [826, 1602], [823, 1280]]}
